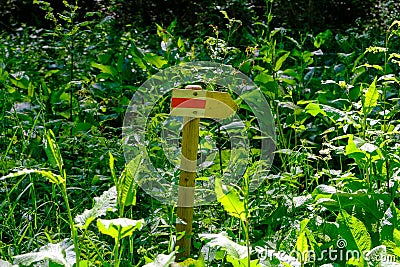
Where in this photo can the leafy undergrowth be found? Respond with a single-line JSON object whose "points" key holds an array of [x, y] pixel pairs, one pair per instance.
{"points": [[68, 198]]}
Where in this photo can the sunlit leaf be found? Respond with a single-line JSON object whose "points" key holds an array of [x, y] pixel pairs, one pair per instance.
{"points": [[106, 202], [220, 241], [61, 253], [119, 228], [354, 232], [353, 151], [370, 98], [51, 177], [230, 201], [155, 60], [322, 38], [280, 61], [242, 262], [105, 68], [127, 192], [52, 150], [162, 260], [314, 109]]}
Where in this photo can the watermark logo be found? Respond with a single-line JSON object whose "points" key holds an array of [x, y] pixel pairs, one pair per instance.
{"points": [[341, 243], [143, 113], [339, 254]]}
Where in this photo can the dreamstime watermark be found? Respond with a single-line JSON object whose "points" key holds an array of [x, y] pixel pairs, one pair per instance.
{"points": [[338, 254]]}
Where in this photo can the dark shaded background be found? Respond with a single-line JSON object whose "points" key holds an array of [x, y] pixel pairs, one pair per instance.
{"points": [[302, 15]]}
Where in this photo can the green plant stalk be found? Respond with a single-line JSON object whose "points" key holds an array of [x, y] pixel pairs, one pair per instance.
{"points": [[283, 140], [220, 150], [74, 232], [246, 232], [71, 77], [269, 5], [116, 249], [246, 222], [385, 126], [171, 229], [34, 202]]}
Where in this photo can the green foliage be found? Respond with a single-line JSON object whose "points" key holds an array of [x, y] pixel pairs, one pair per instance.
{"points": [[61, 253], [162, 260], [230, 201], [106, 202], [119, 228], [65, 90], [222, 242]]}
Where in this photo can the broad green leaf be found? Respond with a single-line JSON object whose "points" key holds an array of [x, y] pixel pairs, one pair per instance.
{"points": [[370, 98], [62, 253], [82, 127], [324, 189], [242, 262], [302, 241], [119, 228], [280, 61], [371, 203], [192, 262], [105, 68], [181, 45], [162, 260], [337, 115], [128, 186], [322, 38], [264, 78], [53, 178], [353, 151], [155, 60], [52, 150], [354, 232], [20, 79], [230, 201], [106, 202], [314, 109], [220, 241], [138, 56], [302, 246], [84, 263], [303, 224]]}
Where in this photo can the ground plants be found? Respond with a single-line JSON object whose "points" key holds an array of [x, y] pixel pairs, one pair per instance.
{"points": [[67, 197]]}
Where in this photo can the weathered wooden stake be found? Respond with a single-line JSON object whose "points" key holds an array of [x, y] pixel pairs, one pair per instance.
{"points": [[187, 181]]}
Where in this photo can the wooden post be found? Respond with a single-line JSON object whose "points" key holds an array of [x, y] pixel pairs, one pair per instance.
{"points": [[187, 181], [192, 105]]}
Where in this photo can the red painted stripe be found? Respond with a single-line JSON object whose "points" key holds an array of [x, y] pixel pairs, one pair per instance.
{"points": [[188, 103]]}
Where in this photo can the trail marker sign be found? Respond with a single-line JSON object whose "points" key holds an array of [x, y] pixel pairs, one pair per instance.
{"points": [[193, 103], [201, 104]]}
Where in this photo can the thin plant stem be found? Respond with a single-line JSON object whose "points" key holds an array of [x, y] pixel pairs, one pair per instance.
{"points": [[74, 232]]}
